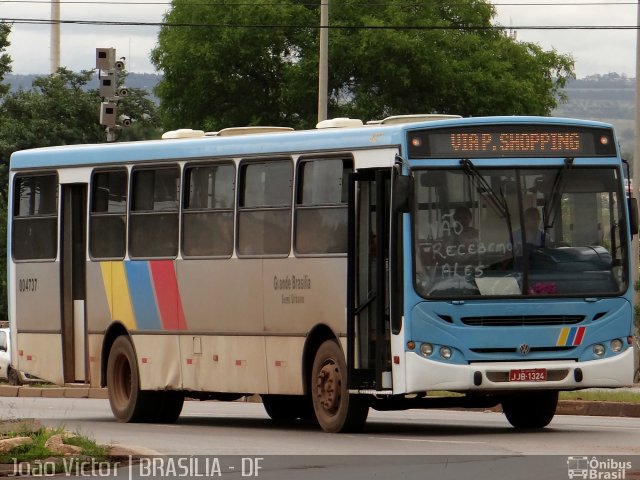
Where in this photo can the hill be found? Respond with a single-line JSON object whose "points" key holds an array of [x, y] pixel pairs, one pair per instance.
{"points": [[606, 98], [145, 81]]}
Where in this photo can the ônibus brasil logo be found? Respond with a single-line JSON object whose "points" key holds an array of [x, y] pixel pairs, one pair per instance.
{"points": [[597, 468]]}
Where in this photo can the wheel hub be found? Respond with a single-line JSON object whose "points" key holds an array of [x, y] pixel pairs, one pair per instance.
{"points": [[329, 386]]}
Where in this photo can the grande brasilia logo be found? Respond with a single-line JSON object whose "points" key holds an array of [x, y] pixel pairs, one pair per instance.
{"points": [[597, 468]]}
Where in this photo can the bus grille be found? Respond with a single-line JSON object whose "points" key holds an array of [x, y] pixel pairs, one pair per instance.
{"points": [[522, 320], [494, 350]]}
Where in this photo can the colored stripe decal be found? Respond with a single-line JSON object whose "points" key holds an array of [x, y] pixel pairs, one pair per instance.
{"points": [[105, 269], [571, 336], [579, 336], [168, 295], [117, 291], [562, 338], [142, 295]]}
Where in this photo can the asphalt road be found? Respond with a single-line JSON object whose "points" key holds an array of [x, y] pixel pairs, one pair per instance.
{"points": [[394, 445]]}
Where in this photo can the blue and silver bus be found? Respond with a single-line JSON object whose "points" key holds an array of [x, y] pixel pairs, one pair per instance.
{"points": [[329, 271]]}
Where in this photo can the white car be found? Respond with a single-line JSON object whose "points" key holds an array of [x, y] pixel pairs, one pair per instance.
{"points": [[13, 376]]}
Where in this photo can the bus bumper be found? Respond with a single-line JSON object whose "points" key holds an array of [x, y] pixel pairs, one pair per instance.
{"points": [[423, 374]]}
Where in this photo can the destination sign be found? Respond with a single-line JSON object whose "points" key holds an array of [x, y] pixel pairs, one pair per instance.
{"points": [[490, 141]]}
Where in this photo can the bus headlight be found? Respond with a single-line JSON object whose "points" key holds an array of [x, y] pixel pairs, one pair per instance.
{"points": [[616, 345], [426, 349], [445, 352], [598, 349]]}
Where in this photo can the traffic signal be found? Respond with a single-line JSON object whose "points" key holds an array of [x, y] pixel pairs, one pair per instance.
{"points": [[108, 69], [105, 59], [108, 114], [107, 85]]}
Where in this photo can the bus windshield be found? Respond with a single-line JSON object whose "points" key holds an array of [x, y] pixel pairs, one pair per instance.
{"points": [[519, 232]]}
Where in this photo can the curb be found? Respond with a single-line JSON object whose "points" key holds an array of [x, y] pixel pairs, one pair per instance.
{"points": [[53, 392], [565, 407]]}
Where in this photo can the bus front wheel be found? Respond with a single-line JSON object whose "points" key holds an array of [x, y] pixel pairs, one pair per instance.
{"points": [[287, 408], [123, 382], [336, 410], [532, 410]]}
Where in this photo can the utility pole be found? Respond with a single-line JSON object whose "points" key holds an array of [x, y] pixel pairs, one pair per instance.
{"points": [[55, 36], [323, 63]]}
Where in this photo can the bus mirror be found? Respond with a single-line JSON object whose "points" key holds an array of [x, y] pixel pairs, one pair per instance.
{"points": [[402, 193], [633, 215]]}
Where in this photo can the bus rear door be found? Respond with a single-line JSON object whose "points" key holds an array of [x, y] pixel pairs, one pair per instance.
{"points": [[73, 244]]}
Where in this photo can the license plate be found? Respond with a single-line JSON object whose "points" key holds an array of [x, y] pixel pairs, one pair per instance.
{"points": [[528, 375]]}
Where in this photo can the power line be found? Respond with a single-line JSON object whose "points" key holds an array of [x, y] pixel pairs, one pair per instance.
{"points": [[38, 21], [215, 4]]}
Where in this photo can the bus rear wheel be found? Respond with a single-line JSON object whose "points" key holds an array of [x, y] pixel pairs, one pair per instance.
{"points": [[336, 410], [532, 410], [123, 382], [169, 406]]}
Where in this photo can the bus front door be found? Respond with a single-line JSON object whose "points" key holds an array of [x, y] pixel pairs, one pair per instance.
{"points": [[368, 349], [73, 244]]}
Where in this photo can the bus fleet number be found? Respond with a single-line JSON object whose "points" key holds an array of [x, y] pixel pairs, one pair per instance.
{"points": [[27, 285]]}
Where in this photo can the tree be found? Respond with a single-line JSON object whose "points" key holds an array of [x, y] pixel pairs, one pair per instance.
{"points": [[216, 77], [232, 64], [5, 59]]}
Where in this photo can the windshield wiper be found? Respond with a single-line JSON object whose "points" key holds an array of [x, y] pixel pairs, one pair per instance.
{"points": [[499, 203], [551, 207]]}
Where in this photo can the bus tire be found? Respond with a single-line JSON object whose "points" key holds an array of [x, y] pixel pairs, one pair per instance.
{"points": [[533, 410], [170, 405], [13, 377], [287, 408], [336, 410], [123, 383]]}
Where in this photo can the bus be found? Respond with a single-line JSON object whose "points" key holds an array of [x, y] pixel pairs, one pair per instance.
{"points": [[330, 271]]}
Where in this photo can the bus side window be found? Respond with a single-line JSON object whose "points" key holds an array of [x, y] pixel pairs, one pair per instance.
{"points": [[35, 218], [108, 217], [264, 209], [207, 219], [321, 206], [153, 224]]}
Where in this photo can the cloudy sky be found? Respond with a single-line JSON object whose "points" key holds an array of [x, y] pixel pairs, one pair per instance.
{"points": [[595, 51]]}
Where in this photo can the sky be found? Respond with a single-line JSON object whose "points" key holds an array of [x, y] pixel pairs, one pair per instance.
{"points": [[594, 51]]}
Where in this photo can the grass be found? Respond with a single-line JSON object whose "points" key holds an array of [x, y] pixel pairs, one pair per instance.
{"points": [[596, 395], [36, 453], [593, 395]]}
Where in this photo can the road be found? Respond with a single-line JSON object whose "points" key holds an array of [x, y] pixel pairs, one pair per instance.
{"points": [[451, 442]]}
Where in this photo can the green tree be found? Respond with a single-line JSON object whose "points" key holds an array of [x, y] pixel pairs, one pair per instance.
{"points": [[141, 110], [5, 68], [5, 59], [215, 77], [229, 63]]}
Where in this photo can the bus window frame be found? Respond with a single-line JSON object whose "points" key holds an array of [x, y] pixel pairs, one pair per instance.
{"points": [[174, 164], [297, 203], [126, 212], [240, 185], [183, 210], [56, 215]]}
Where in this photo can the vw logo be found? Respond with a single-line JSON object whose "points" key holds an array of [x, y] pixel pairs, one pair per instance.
{"points": [[524, 349]]}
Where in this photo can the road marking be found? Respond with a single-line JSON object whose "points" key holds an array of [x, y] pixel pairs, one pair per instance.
{"points": [[426, 440]]}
